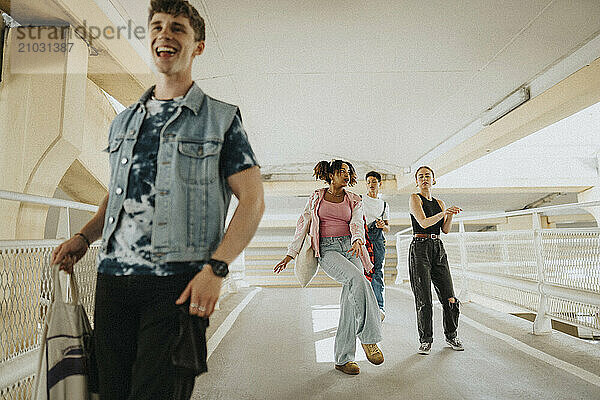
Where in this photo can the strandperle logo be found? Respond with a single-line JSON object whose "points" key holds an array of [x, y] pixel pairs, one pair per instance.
{"points": [[89, 33], [42, 49]]}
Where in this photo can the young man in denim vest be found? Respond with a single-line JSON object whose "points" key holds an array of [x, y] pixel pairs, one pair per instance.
{"points": [[176, 156]]}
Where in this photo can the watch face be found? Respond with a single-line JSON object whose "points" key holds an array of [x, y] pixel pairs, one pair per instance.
{"points": [[220, 268]]}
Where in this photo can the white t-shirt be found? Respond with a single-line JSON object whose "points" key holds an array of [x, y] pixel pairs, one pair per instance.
{"points": [[373, 209]]}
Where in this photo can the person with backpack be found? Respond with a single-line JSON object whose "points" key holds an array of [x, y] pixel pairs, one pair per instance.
{"points": [[334, 217], [428, 262], [377, 215]]}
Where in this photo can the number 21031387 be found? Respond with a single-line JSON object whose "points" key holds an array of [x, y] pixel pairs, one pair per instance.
{"points": [[43, 47]]}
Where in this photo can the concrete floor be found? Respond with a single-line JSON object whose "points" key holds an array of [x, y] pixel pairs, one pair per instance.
{"points": [[281, 347]]}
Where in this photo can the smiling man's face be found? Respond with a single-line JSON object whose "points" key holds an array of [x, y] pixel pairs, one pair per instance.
{"points": [[172, 44]]}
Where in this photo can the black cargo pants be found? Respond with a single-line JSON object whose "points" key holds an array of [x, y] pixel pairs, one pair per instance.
{"points": [[428, 263]]}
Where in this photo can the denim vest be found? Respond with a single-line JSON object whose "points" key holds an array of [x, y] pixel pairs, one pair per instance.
{"points": [[192, 197]]}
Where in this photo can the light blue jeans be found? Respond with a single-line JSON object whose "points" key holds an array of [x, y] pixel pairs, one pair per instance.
{"points": [[359, 312], [376, 237]]}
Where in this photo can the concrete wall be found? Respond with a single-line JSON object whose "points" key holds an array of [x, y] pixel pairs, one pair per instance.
{"points": [[53, 124]]}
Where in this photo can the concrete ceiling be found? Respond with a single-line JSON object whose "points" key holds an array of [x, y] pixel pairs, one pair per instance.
{"points": [[380, 82], [564, 156]]}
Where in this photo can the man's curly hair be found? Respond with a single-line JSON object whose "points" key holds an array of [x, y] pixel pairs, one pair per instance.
{"points": [[177, 8]]}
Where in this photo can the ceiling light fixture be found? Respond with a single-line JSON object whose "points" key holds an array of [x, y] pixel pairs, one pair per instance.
{"points": [[505, 106]]}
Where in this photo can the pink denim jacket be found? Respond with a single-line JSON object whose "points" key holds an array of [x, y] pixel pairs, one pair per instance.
{"points": [[310, 217]]}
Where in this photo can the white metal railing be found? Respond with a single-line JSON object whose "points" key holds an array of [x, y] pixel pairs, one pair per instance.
{"points": [[49, 201], [553, 272], [26, 286]]}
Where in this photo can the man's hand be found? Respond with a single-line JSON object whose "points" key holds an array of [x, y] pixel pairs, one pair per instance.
{"points": [[203, 291], [68, 253], [379, 223]]}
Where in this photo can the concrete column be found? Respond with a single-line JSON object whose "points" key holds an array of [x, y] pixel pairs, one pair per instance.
{"points": [[40, 116], [62, 231], [523, 222], [237, 273], [591, 194], [43, 119]]}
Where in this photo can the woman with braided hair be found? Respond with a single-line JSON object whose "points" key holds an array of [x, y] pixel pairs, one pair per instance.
{"points": [[334, 217]]}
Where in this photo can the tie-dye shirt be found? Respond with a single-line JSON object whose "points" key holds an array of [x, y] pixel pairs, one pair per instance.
{"points": [[129, 249]]}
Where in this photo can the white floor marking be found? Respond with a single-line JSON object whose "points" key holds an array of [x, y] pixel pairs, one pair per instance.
{"points": [[324, 350], [226, 325], [325, 317], [565, 366], [558, 363]]}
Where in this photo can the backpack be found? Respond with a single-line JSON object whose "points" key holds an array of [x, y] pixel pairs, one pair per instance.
{"points": [[369, 246]]}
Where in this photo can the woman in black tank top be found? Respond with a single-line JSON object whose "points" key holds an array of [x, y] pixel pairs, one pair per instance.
{"points": [[428, 262], [430, 207]]}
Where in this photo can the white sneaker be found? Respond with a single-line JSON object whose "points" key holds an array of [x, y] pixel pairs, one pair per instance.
{"points": [[424, 348], [455, 343]]}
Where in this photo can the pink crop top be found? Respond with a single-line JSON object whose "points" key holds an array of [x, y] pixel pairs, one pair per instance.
{"points": [[334, 218]]}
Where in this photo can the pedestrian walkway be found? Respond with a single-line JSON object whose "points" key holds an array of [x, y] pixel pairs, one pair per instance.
{"points": [[281, 347]]}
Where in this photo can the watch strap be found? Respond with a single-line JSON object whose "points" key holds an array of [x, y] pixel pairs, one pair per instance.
{"points": [[219, 268]]}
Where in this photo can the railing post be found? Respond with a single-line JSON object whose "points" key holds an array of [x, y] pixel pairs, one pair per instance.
{"points": [[402, 275], [67, 278], [237, 272], [505, 254], [68, 222], [464, 290], [542, 324]]}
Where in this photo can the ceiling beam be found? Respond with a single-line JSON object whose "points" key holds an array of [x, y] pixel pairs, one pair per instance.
{"points": [[389, 187], [572, 94]]}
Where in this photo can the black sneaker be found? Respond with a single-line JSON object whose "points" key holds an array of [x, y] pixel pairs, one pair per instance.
{"points": [[424, 348], [455, 343]]}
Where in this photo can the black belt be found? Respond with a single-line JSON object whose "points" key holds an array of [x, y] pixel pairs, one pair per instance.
{"points": [[427, 235]]}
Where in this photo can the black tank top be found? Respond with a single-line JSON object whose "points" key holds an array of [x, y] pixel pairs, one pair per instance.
{"points": [[430, 207]]}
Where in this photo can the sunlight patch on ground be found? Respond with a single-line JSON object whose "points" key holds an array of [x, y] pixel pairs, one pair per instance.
{"points": [[325, 319]]}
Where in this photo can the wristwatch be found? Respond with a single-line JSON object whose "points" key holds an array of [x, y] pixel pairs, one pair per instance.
{"points": [[220, 268]]}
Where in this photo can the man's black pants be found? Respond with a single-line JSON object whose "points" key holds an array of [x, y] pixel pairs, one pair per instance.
{"points": [[135, 324], [428, 263]]}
